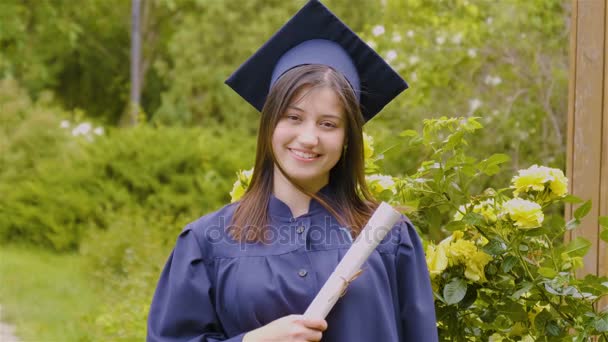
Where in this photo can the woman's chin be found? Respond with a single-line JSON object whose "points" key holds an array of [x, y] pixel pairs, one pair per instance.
{"points": [[309, 181]]}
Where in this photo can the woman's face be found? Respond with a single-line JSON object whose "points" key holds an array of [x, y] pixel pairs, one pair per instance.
{"points": [[309, 137]]}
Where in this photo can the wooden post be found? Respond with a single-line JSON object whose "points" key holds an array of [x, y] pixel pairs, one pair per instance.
{"points": [[587, 156], [135, 61]]}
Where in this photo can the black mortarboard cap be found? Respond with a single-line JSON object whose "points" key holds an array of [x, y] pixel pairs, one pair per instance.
{"points": [[316, 36]]}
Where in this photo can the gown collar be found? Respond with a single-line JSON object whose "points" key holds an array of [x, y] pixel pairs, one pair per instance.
{"points": [[279, 209]]}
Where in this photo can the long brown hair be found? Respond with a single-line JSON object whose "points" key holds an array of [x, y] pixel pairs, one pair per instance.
{"points": [[351, 202]]}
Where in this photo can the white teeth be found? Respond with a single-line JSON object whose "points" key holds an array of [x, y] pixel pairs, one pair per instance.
{"points": [[304, 155]]}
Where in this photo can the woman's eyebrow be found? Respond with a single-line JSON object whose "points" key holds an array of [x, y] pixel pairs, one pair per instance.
{"points": [[296, 108], [333, 116]]}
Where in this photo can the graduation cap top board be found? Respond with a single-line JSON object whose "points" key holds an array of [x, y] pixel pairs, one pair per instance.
{"points": [[314, 35]]}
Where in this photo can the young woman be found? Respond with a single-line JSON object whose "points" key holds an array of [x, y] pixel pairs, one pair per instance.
{"points": [[249, 270]]}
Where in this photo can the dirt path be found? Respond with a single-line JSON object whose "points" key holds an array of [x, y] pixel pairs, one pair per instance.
{"points": [[7, 331]]}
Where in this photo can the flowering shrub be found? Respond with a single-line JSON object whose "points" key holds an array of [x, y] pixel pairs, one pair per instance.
{"points": [[505, 59], [503, 273], [84, 129]]}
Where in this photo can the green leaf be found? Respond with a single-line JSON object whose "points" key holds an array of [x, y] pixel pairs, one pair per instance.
{"points": [[472, 124], [469, 298], [553, 329], [525, 288], [514, 311], [473, 219], [495, 247], [556, 222], [541, 320], [509, 263], [572, 199], [454, 226], [578, 247], [498, 158], [604, 235], [454, 291], [547, 272], [539, 231], [491, 269], [409, 133], [603, 220], [489, 166], [601, 323], [433, 217], [468, 170], [583, 210]]}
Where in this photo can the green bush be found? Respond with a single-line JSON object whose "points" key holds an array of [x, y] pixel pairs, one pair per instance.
{"points": [[34, 155], [125, 262], [59, 182]]}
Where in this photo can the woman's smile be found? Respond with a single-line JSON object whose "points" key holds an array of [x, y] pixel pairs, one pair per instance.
{"points": [[303, 155]]}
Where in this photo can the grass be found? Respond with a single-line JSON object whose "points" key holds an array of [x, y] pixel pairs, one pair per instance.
{"points": [[46, 296]]}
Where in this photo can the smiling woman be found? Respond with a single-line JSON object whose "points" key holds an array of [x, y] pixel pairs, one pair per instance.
{"points": [[307, 143], [248, 271]]}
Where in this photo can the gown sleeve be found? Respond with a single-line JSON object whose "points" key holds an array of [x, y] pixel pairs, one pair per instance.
{"points": [[182, 308], [417, 308]]}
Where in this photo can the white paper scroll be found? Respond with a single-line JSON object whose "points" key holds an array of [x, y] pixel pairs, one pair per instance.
{"points": [[381, 222]]}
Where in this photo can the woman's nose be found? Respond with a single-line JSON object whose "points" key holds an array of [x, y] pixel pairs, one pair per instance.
{"points": [[308, 137]]}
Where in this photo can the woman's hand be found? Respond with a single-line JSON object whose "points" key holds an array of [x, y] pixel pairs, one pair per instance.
{"points": [[292, 328]]}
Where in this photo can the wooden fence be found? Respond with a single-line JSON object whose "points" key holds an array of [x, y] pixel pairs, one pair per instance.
{"points": [[587, 159]]}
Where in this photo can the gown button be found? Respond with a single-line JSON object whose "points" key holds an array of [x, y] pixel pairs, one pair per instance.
{"points": [[302, 273], [300, 229]]}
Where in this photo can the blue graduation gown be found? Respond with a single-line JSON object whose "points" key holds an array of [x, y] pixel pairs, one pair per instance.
{"points": [[216, 289]]}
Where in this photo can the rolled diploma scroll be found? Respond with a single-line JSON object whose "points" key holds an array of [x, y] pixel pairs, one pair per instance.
{"points": [[381, 222]]}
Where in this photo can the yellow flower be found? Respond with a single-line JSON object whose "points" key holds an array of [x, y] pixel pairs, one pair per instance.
{"points": [[533, 178], [460, 249], [475, 265], [455, 250], [526, 214], [465, 252], [436, 259], [559, 184], [241, 184], [368, 146], [536, 178], [484, 208], [378, 183]]}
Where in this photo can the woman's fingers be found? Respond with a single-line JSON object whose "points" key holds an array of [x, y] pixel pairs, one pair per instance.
{"points": [[313, 327], [314, 335], [289, 328], [316, 324]]}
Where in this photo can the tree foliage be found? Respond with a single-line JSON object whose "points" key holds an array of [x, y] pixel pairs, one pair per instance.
{"points": [[60, 178]]}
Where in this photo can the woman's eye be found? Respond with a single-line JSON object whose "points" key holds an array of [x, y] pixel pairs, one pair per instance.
{"points": [[328, 124], [292, 117]]}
